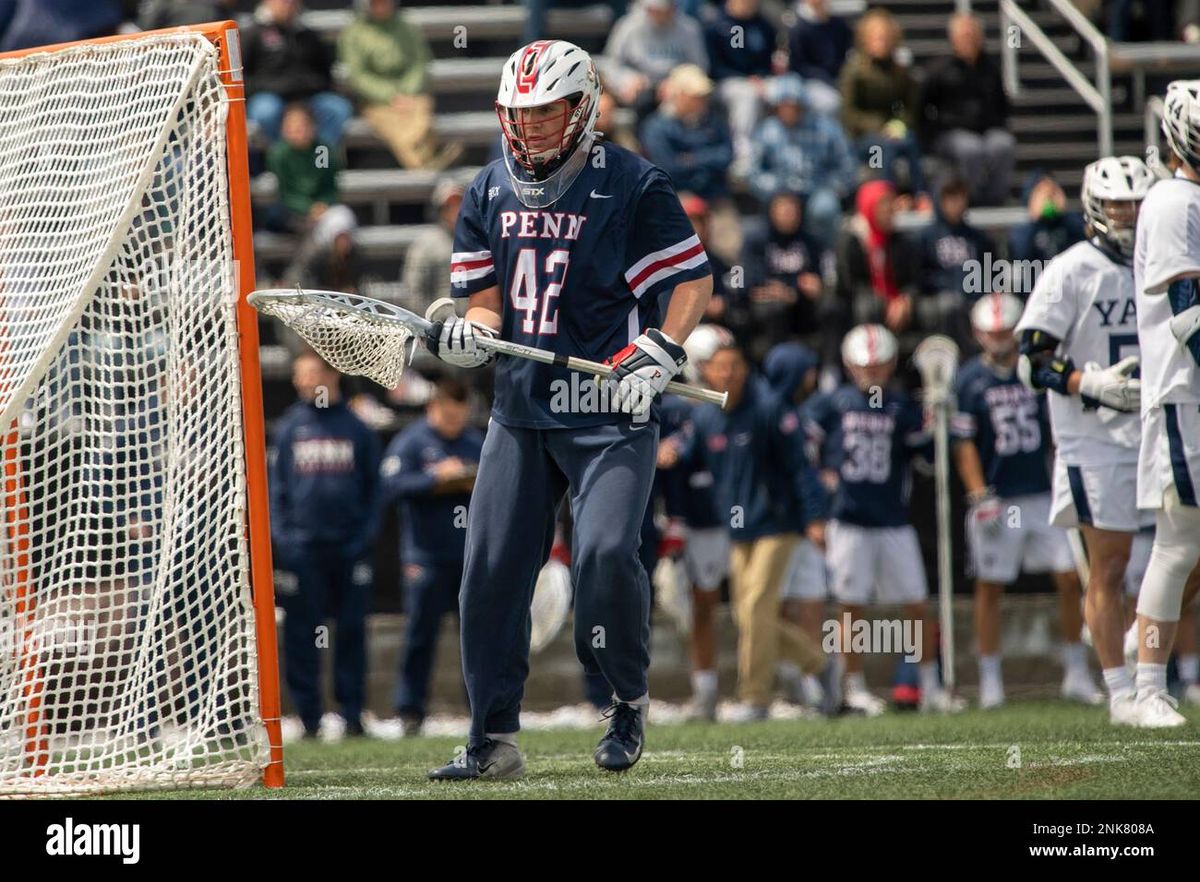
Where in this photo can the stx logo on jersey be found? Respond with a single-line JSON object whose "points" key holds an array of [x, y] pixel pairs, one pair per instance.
{"points": [[541, 225]]}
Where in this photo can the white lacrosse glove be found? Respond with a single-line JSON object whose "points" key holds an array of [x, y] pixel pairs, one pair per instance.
{"points": [[1112, 386], [458, 343], [985, 510], [642, 370]]}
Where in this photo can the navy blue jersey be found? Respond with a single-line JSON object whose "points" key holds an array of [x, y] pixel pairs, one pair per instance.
{"points": [[1009, 425], [870, 449], [324, 478], [431, 526], [686, 489], [583, 278]]}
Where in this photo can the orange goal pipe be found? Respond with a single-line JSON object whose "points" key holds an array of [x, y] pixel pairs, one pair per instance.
{"points": [[261, 573]]}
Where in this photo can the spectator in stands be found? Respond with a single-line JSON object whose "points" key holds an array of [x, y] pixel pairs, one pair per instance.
{"points": [[686, 138], [783, 274], [536, 12], [1050, 229], [387, 68], [153, 14], [876, 277], [879, 101], [644, 47], [1155, 20], [324, 487], [965, 114], [286, 62], [306, 173], [328, 259], [429, 469], [427, 263], [947, 247], [817, 47], [27, 23], [728, 305], [806, 153], [740, 43]]}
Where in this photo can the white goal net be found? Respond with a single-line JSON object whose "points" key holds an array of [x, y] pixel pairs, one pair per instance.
{"points": [[127, 640]]}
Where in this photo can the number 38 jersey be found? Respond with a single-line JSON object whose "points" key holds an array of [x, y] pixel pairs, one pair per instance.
{"points": [[582, 278], [1008, 424], [869, 443], [1084, 297]]}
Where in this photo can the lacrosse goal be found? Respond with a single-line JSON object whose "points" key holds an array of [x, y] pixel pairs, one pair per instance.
{"points": [[137, 630]]}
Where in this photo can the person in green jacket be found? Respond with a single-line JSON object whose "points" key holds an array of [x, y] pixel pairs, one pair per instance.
{"points": [[387, 68]]}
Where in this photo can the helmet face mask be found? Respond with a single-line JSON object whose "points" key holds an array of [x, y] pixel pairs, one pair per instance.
{"points": [[867, 377], [1112, 192], [539, 135]]}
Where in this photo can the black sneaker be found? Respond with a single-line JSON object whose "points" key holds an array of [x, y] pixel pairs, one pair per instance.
{"points": [[490, 759], [354, 729], [621, 745]]}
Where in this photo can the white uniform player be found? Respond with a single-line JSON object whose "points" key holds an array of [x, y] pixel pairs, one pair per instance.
{"points": [[1166, 273], [1082, 312]]}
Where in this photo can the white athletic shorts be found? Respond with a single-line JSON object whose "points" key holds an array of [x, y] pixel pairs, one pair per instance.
{"points": [[1170, 454], [1022, 539], [874, 564], [1101, 496], [805, 578], [706, 557]]}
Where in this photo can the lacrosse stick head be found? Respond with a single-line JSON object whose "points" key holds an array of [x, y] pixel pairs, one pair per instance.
{"points": [[936, 360], [355, 335], [551, 604]]}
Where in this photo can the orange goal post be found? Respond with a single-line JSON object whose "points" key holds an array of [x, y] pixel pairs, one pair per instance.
{"points": [[137, 621]]}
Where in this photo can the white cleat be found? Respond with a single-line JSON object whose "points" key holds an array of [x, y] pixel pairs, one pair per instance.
{"points": [[863, 702], [747, 713], [991, 695], [1079, 686], [939, 701], [1156, 710], [1191, 695], [1123, 710]]}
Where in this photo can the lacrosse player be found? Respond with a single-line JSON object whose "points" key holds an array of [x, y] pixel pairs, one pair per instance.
{"points": [[1002, 452], [1081, 312], [578, 246], [1166, 266], [863, 436]]}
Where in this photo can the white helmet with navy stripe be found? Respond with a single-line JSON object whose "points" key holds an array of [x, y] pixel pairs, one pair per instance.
{"points": [[1181, 120], [1115, 179], [544, 154]]}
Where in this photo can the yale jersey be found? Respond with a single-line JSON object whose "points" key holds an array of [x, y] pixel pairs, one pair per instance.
{"points": [[582, 278], [1168, 245], [1009, 425], [1084, 297], [870, 449]]}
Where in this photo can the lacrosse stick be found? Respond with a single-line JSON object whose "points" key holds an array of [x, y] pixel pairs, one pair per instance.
{"points": [[936, 359], [363, 336]]}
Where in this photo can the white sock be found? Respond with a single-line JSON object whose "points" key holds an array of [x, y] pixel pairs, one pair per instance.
{"points": [[505, 737], [1189, 668], [1151, 678], [989, 669], [704, 684], [927, 673], [1118, 682], [642, 701], [1074, 657], [856, 682]]}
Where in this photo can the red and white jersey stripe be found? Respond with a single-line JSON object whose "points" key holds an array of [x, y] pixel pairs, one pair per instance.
{"points": [[659, 265], [467, 266]]}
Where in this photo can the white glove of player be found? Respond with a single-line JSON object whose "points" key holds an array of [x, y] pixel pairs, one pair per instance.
{"points": [[985, 510], [458, 343], [1185, 325], [642, 370], [1112, 386]]}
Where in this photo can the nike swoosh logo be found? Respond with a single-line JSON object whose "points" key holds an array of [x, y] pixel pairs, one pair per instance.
{"points": [[596, 195]]}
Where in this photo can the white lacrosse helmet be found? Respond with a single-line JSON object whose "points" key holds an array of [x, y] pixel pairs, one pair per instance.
{"points": [[701, 345], [1181, 120], [995, 314], [1115, 179], [544, 164], [868, 346]]}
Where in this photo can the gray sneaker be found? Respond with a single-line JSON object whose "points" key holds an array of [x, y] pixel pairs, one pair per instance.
{"points": [[489, 759]]}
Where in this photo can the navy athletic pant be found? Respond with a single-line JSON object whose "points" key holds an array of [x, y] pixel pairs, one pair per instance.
{"points": [[523, 474], [430, 592]]}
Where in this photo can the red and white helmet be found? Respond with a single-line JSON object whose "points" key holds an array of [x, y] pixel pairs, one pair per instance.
{"points": [[996, 314], [1115, 179], [1181, 120], [868, 346], [542, 166], [701, 345]]}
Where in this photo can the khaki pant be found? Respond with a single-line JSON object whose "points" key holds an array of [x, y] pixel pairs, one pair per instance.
{"points": [[409, 134], [756, 576]]}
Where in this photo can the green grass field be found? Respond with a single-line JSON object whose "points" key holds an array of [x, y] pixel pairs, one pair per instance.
{"points": [[1030, 750]]}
